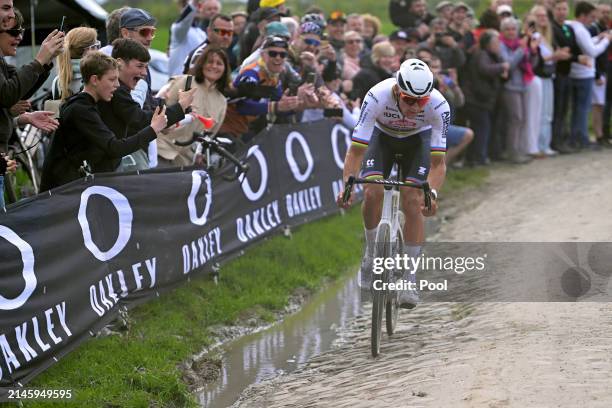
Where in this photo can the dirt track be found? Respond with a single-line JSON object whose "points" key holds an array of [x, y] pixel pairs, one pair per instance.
{"points": [[487, 354]]}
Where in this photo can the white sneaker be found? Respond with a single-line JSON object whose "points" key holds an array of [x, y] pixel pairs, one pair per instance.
{"points": [[550, 152], [408, 299]]}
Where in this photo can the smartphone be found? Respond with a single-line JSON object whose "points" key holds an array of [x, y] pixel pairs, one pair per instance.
{"points": [[62, 23], [188, 87], [532, 25], [332, 113], [293, 89], [311, 77]]}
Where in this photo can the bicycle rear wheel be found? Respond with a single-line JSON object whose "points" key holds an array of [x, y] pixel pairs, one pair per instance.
{"points": [[379, 298]]}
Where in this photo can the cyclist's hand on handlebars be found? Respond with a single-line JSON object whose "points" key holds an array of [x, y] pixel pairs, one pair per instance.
{"points": [[51, 47], [185, 98], [42, 120], [340, 201], [159, 120], [427, 212], [20, 107]]}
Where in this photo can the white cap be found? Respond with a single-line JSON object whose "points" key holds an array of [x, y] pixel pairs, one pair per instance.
{"points": [[504, 8]]}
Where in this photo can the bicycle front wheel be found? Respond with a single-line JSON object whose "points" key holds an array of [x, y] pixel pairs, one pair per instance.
{"points": [[392, 306], [379, 298]]}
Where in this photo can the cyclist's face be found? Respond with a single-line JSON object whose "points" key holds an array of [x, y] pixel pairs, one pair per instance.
{"points": [[409, 111]]}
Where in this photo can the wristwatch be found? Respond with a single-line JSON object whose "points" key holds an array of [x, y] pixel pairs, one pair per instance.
{"points": [[434, 193]]}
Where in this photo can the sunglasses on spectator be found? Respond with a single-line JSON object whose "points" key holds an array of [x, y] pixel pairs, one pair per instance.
{"points": [[353, 41], [223, 32], [14, 32], [313, 42], [274, 54], [145, 32], [409, 100], [94, 46]]}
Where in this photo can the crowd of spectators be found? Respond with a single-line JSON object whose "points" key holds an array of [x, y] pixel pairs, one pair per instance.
{"points": [[512, 83]]}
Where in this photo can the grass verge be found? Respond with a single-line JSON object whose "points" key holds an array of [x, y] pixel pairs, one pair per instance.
{"points": [[139, 368]]}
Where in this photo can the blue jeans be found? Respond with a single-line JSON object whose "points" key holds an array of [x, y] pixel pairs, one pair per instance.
{"points": [[581, 105], [1, 191]]}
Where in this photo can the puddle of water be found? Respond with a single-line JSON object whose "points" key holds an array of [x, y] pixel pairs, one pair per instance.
{"points": [[284, 347]]}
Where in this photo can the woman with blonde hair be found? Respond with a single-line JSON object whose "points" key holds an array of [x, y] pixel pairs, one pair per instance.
{"points": [[77, 43], [211, 76]]}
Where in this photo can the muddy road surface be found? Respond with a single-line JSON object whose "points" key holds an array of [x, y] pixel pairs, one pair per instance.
{"points": [[483, 354]]}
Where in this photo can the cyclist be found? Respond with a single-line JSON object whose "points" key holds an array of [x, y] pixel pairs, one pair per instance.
{"points": [[400, 115]]}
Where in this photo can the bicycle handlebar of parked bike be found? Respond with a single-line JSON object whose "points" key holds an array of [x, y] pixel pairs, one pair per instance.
{"points": [[392, 183], [207, 141]]}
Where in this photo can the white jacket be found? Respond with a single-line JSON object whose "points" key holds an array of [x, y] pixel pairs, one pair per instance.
{"points": [[590, 46]]}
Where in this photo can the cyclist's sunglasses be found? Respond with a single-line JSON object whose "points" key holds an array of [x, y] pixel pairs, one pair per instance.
{"points": [[14, 32], [145, 31], [274, 54], [223, 32], [313, 42], [409, 100]]}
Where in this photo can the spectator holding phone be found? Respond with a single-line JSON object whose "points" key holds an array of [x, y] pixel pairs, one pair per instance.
{"points": [[484, 74], [84, 143], [211, 76], [17, 85], [122, 114]]}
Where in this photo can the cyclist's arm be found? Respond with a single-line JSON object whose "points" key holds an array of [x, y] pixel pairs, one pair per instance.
{"points": [[361, 136], [441, 119]]}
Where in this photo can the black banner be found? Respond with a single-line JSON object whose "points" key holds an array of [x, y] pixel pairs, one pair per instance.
{"points": [[71, 258]]}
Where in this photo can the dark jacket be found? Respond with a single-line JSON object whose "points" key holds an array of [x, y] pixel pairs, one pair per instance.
{"points": [[563, 36], [82, 135], [16, 85], [366, 78], [403, 18], [482, 80], [124, 116]]}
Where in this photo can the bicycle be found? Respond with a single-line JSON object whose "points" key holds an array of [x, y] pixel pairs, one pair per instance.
{"points": [[210, 144], [389, 243]]}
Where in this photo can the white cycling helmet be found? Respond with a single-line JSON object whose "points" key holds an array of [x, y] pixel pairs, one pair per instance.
{"points": [[414, 78]]}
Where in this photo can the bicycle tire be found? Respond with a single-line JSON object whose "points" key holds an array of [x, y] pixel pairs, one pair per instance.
{"points": [[379, 297], [392, 305]]}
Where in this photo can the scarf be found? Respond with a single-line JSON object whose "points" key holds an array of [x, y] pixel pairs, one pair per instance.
{"points": [[525, 64]]}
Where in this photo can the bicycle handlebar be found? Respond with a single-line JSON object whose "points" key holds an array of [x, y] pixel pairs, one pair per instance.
{"points": [[208, 141], [393, 183]]}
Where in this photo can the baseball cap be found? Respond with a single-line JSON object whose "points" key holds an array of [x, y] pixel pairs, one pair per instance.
{"points": [[277, 29], [399, 35], [336, 16], [136, 17], [311, 28], [270, 3], [266, 13], [504, 8], [461, 5], [443, 4], [273, 41]]}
